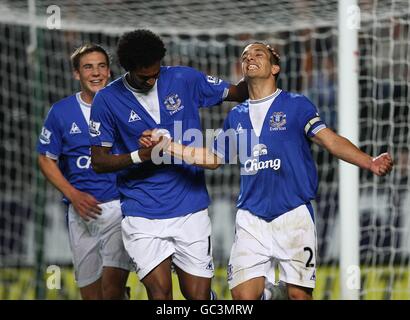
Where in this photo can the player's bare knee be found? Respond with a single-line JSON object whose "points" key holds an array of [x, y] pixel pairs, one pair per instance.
{"points": [[298, 293], [91, 294], [238, 294], [159, 293], [113, 292], [197, 294]]}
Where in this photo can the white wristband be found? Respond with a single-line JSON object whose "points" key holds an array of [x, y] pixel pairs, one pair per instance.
{"points": [[135, 157]]}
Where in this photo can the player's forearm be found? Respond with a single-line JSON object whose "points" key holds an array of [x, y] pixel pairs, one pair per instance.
{"points": [[345, 150], [105, 163], [200, 157], [238, 92], [52, 172]]}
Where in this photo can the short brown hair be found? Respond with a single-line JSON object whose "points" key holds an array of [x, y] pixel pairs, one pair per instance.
{"points": [[85, 49]]}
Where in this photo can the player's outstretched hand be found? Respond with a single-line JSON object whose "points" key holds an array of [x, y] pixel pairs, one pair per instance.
{"points": [[151, 137], [382, 164], [85, 205], [145, 139]]}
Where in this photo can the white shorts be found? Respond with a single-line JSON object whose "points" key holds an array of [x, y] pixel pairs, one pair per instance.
{"points": [[97, 243], [187, 239], [289, 241]]}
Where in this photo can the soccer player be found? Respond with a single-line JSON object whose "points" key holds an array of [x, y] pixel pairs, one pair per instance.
{"points": [[166, 218], [275, 219], [101, 263]]}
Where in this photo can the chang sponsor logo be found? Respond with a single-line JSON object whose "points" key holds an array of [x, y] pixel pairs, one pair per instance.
{"points": [[83, 162], [253, 165], [259, 150]]}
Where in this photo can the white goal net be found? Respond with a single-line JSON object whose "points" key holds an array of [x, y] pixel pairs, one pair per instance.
{"points": [[210, 35]]}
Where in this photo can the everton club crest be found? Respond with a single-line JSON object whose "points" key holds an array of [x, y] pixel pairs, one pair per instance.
{"points": [[173, 103], [277, 121]]}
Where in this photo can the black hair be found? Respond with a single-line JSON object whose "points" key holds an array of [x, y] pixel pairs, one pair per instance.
{"points": [[85, 49], [139, 49]]}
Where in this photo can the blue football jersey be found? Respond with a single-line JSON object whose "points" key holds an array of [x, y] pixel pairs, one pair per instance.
{"points": [[278, 172], [117, 118], [65, 137]]}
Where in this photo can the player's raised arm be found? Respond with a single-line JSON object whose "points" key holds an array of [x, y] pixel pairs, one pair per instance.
{"points": [[201, 157], [238, 92], [343, 149]]}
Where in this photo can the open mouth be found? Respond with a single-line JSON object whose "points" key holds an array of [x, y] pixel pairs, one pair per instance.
{"points": [[96, 82]]}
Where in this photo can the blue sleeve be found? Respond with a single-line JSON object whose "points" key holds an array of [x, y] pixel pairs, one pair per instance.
{"points": [[309, 117], [210, 91], [50, 139], [225, 143], [102, 124]]}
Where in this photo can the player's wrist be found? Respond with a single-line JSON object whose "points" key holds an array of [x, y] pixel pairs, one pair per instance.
{"points": [[71, 194], [135, 157]]}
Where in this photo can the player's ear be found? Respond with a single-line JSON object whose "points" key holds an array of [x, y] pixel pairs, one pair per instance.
{"points": [[76, 74], [275, 69]]}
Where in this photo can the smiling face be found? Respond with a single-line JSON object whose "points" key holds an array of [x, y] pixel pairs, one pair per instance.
{"points": [[93, 73], [257, 62]]}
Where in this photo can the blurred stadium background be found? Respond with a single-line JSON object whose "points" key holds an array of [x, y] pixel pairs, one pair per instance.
{"points": [[210, 35]]}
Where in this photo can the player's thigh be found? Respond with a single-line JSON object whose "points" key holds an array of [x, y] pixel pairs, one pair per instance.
{"points": [[158, 282], [112, 246], [193, 245], [147, 242], [194, 287], [85, 248], [92, 291], [113, 282], [298, 292], [251, 251], [296, 248], [249, 290]]}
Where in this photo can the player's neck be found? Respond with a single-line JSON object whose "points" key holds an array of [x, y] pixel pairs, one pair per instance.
{"points": [[86, 97], [260, 88]]}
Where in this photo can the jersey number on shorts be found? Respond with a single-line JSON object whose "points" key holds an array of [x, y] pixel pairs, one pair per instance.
{"points": [[308, 264]]}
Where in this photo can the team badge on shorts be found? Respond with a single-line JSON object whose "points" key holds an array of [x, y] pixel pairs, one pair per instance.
{"points": [[277, 121], [173, 103]]}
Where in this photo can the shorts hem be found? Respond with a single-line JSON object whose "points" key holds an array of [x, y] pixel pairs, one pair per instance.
{"points": [[116, 264], [195, 272], [86, 282], [306, 284], [235, 282], [143, 272]]}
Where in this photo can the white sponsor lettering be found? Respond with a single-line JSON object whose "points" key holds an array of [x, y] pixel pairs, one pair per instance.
{"points": [[254, 165], [83, 162]]}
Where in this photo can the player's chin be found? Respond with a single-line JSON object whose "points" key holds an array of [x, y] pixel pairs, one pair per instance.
{"points": [[95, 88], [145, 89]]}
